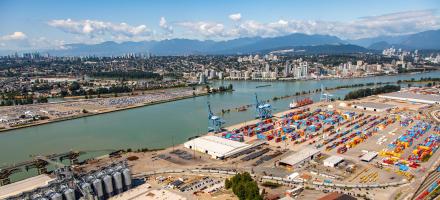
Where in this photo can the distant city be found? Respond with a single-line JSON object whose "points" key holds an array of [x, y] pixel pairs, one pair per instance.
{"points": [[42, 75]]}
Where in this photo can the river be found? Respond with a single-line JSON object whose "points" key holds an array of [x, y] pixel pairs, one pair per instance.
{"points": [[158, 126]]}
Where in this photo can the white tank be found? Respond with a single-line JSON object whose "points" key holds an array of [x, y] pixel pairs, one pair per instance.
{"points": [[127, 178], [117, 179], [108, 185], [55, 196], [97, 187], [87, 189], [69, 194]]}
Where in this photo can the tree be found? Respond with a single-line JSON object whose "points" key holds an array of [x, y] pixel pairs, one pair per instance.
{"points": [[244, 187], [74, 86]]}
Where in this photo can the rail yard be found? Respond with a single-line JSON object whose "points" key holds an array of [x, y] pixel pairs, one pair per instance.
{"points": [[369, 148]]}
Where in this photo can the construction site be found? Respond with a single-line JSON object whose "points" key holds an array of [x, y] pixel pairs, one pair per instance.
{"points": [[378, 147]]}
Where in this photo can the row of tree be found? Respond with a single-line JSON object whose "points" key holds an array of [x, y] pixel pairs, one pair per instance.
{"points": [[371, 91], [24, 101]]}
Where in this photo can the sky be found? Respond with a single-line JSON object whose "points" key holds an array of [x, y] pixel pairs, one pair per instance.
{"points": [[51, 24]]}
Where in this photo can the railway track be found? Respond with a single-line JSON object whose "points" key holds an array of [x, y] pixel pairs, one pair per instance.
{"points": [[431, 178]]}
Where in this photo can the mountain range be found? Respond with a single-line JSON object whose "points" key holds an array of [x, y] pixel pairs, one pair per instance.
{"points": [[303, 43]]}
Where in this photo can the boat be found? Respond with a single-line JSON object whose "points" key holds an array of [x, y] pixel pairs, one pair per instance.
{"points": [[300, 103], [260, 86]]}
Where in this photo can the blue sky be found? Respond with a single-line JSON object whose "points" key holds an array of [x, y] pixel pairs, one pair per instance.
{"points": [[52, 23]]}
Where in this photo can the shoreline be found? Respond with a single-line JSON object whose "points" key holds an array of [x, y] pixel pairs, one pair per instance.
{"points": [[331, 78], [5, 130]]}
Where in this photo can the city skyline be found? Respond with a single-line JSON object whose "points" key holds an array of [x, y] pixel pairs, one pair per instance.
{"points": [[48, 25]]}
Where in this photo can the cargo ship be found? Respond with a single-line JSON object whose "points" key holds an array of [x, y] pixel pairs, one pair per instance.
{"points": [[300, 103]]}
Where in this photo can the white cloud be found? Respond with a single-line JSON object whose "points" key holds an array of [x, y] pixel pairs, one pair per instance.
{"points": [[235, 17], [95, 28], [389, 24], [206, 29], [14, 36], [165, 26]]}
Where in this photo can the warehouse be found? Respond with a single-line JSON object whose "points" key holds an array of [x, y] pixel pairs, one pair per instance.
{"points": [[371, 106], [217, 147], [412, 97], [369, 156], [333, 161], [300, 157]]}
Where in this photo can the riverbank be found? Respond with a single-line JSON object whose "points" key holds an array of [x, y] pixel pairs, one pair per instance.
{"points": [[89, 114]]}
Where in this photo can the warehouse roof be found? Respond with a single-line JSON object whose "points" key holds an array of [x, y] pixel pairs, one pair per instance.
{"points": [[375, 105], [411, 96], [299, 156], [369, 156], [334, 160], [218, 146]]}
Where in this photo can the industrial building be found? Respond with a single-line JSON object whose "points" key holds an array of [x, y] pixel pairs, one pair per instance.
{"points": [[300, 157], [24, 185], [412, 97], [216, 147], [369, 156], [333, 161], [372, 106], [100, 184]]}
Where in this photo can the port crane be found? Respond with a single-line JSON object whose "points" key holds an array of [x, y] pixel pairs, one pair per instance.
{"points": [[264, 110], [214, 122]]}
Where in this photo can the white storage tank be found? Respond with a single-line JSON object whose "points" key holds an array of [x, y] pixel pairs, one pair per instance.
{"points": [[97, 187], [69, 194], [108, 185], [117, 179], [127, 178], [87, 189], [55, 196]]}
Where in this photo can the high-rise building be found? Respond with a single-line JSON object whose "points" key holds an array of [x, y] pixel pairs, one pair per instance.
{"points": [[267, 67], [287, 69], [202, 79]]}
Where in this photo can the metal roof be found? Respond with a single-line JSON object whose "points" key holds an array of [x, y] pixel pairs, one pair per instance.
{"points": [[334, 160], [217, 146], [411, 96], [369, 156], [299, 156]]}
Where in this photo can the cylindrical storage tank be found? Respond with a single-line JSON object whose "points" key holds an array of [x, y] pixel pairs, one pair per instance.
{"points": [[108, 185], [40, 198], [127, 178], [55, 196], [87, 189], [69, 194], [117, 179], [97, 188]]}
